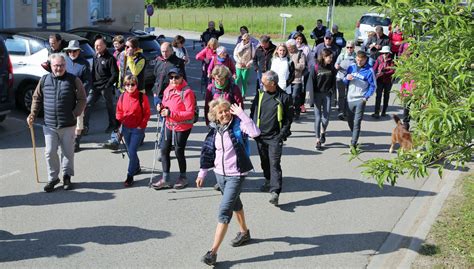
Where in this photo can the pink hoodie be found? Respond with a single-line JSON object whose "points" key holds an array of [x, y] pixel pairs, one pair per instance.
{"points": [[225, 150], [180, 110]]}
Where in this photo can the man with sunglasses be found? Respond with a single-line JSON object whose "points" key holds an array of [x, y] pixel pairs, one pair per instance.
{"points": [[344, 60], [79, 67]]}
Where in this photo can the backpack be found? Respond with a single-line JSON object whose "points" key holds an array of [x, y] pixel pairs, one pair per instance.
{"points": [[231, 93], [196, 108], [242, 138]]}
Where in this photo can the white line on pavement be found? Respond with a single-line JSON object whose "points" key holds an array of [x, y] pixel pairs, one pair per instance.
{"points": [[10, 174]]}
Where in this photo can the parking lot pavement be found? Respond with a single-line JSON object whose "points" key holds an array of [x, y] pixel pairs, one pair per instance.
{"points": [[330, 216]]}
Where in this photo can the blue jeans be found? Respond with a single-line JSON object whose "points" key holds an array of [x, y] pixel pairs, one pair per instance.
{"points": [[322, 106], [355, 113], [296, 90], [133, 137], [230, 189]]}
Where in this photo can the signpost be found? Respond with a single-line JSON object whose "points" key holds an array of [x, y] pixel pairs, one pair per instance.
{"points": [[149, 11], [284, 17]]}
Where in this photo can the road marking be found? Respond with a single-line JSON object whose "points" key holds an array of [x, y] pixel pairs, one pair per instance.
{"points": [[193, 77], [10, 174]]}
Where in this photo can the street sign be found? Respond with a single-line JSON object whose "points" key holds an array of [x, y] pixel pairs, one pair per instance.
{"points": [[149, 10]]}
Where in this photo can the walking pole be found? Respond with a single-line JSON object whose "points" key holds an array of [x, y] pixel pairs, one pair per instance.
{"points": [[32, 132], [120, 136], [157, 141]]}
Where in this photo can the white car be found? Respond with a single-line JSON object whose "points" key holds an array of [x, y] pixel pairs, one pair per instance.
{"points": [[368, 22], [28, 50]]}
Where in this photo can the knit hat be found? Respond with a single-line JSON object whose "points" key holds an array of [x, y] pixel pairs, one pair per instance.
{"points": [[220, 50]]}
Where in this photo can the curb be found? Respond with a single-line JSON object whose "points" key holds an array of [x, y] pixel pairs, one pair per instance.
{"points": [[415, 223]]}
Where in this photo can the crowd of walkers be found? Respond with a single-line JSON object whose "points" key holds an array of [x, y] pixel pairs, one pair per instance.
{"points": [[330, 72]]}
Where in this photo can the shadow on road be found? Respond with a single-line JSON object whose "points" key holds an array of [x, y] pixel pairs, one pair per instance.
{"points": [[57, 197], [62, 243], [323, 245]]}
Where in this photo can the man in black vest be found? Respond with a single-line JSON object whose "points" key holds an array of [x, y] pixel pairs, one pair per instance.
{"points": [[104, 76], [63, 98]]}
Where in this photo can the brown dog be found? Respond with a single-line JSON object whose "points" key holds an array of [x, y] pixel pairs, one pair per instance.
{"points": [[401, 136]]}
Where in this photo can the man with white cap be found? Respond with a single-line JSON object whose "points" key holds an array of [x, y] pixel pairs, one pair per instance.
{"points": [[383, 70], [79, 67]]}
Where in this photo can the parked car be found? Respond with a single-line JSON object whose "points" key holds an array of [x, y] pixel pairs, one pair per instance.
{"points": [[28, 49], [6, 82], [368, 22], [149, 44]]}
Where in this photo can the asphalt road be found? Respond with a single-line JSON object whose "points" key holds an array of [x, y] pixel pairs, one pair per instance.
{"points": [[330, 216]]}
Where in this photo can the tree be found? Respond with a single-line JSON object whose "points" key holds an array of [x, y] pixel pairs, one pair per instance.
{"points": [[442, 104]]}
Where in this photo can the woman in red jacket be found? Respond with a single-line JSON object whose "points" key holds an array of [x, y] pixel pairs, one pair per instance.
{"points": [[177, 107], [133, 112], [383, 70]]}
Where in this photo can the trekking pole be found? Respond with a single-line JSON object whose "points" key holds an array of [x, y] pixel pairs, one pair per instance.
{"points": [[121, 140], [32, 132], [157, 141]]}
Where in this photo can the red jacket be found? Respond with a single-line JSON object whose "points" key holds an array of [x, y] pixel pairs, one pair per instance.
{"points": [[205, 53], [394, 38], [384, 70], [130, 113], [180, 110]]}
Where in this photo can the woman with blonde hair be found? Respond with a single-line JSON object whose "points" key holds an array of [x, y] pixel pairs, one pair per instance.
{"points": [[284, 67], [206, 55], [243, 55], [225, 149]]}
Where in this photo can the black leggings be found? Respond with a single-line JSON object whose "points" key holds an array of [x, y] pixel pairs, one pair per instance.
{"points": [[180, 140]]}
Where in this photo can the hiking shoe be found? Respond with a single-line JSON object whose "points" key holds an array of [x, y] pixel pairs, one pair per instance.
{"points": [[67, 185], [375, 115], [50, 186], [161, 184], [322, 138], [217, 187], [240, 239], [303, 109], [318, 145], [266, 186], [113, 145], [209, 258], [383, 114], [129, 181], [274, 199], [341, 116], [181, 183]]}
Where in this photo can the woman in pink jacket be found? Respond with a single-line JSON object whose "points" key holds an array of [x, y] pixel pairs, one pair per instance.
{"points": [[206, 55], [177, 107], [226, 150]]}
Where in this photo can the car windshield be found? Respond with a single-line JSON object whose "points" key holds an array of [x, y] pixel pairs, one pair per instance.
{"points": [[87, 51], [374, 20], [149, 45]]}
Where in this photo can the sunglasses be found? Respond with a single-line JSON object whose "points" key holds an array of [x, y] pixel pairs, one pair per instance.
{"points": [[130, 85], [349, 47], [174, 77]]}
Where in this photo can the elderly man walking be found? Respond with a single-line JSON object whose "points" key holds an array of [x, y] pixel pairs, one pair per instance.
{"points": [[272, 110], [63, 98]]}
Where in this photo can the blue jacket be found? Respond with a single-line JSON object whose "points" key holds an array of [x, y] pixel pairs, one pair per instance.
{"points": [[363, 84], [80, 68]]}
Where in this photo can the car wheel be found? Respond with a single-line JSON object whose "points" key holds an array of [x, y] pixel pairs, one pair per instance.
{"points": [[2, 117], [25, 97]]}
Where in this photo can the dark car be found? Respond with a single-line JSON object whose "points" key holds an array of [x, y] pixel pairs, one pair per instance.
{"points": [[149, 44], [6, 82], [28, 48]]}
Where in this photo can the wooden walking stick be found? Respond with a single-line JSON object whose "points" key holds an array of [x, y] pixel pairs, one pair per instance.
{"points": [[32, 132]]}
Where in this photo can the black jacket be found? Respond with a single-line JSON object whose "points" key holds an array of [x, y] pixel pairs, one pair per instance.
{"points": [[269, 125], [104, 71], [263, 57], [323, 81], [207, 35], [162, 67]]}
